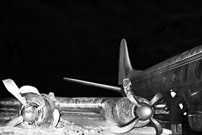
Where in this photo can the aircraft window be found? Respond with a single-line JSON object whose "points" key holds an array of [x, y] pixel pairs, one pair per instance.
{"points": [[144, 85], [164, 81], [184, 73], [149, 83], [141, 85], [198, 69], [174, 76], [157, 83], [152, 83]]}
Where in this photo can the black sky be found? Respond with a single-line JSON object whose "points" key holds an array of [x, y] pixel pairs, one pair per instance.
{"points": [[41, 41]]}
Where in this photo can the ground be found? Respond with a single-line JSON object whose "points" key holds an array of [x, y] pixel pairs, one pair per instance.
{"points": [[77, 125]]}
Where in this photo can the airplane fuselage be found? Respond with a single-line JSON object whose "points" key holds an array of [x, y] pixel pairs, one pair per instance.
{"points": [[182, 73]]}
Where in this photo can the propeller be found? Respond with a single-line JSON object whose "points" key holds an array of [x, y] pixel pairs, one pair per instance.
{"points": [[34, 108], [14, 90], [144, 110], [124, 128]]}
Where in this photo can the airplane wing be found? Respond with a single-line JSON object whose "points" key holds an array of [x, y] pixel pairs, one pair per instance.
{"points": [[72, 121], [109, 87]]}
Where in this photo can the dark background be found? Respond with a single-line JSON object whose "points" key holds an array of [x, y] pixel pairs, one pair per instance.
{"points": [[42, 41]]}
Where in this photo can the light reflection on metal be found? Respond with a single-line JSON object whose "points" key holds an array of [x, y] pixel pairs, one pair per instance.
{"points": [[160, 106], [190, 53], [194, 93], [81, 103], [109, 87]]}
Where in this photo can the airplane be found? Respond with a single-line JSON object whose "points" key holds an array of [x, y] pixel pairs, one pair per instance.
{"points": [[182, 72]]}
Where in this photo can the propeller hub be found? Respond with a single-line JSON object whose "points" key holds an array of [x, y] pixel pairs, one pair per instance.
{"points": [[29, 113], [144, 111]]}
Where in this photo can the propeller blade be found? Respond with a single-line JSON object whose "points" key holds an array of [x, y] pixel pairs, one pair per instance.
{"points": [[15, 121], [127, 89], [36, 97], [14, 90], [133, 99], [155, 99], [56, 117], [28, 89], [124, 128], [109, 87], [157, 126]]}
